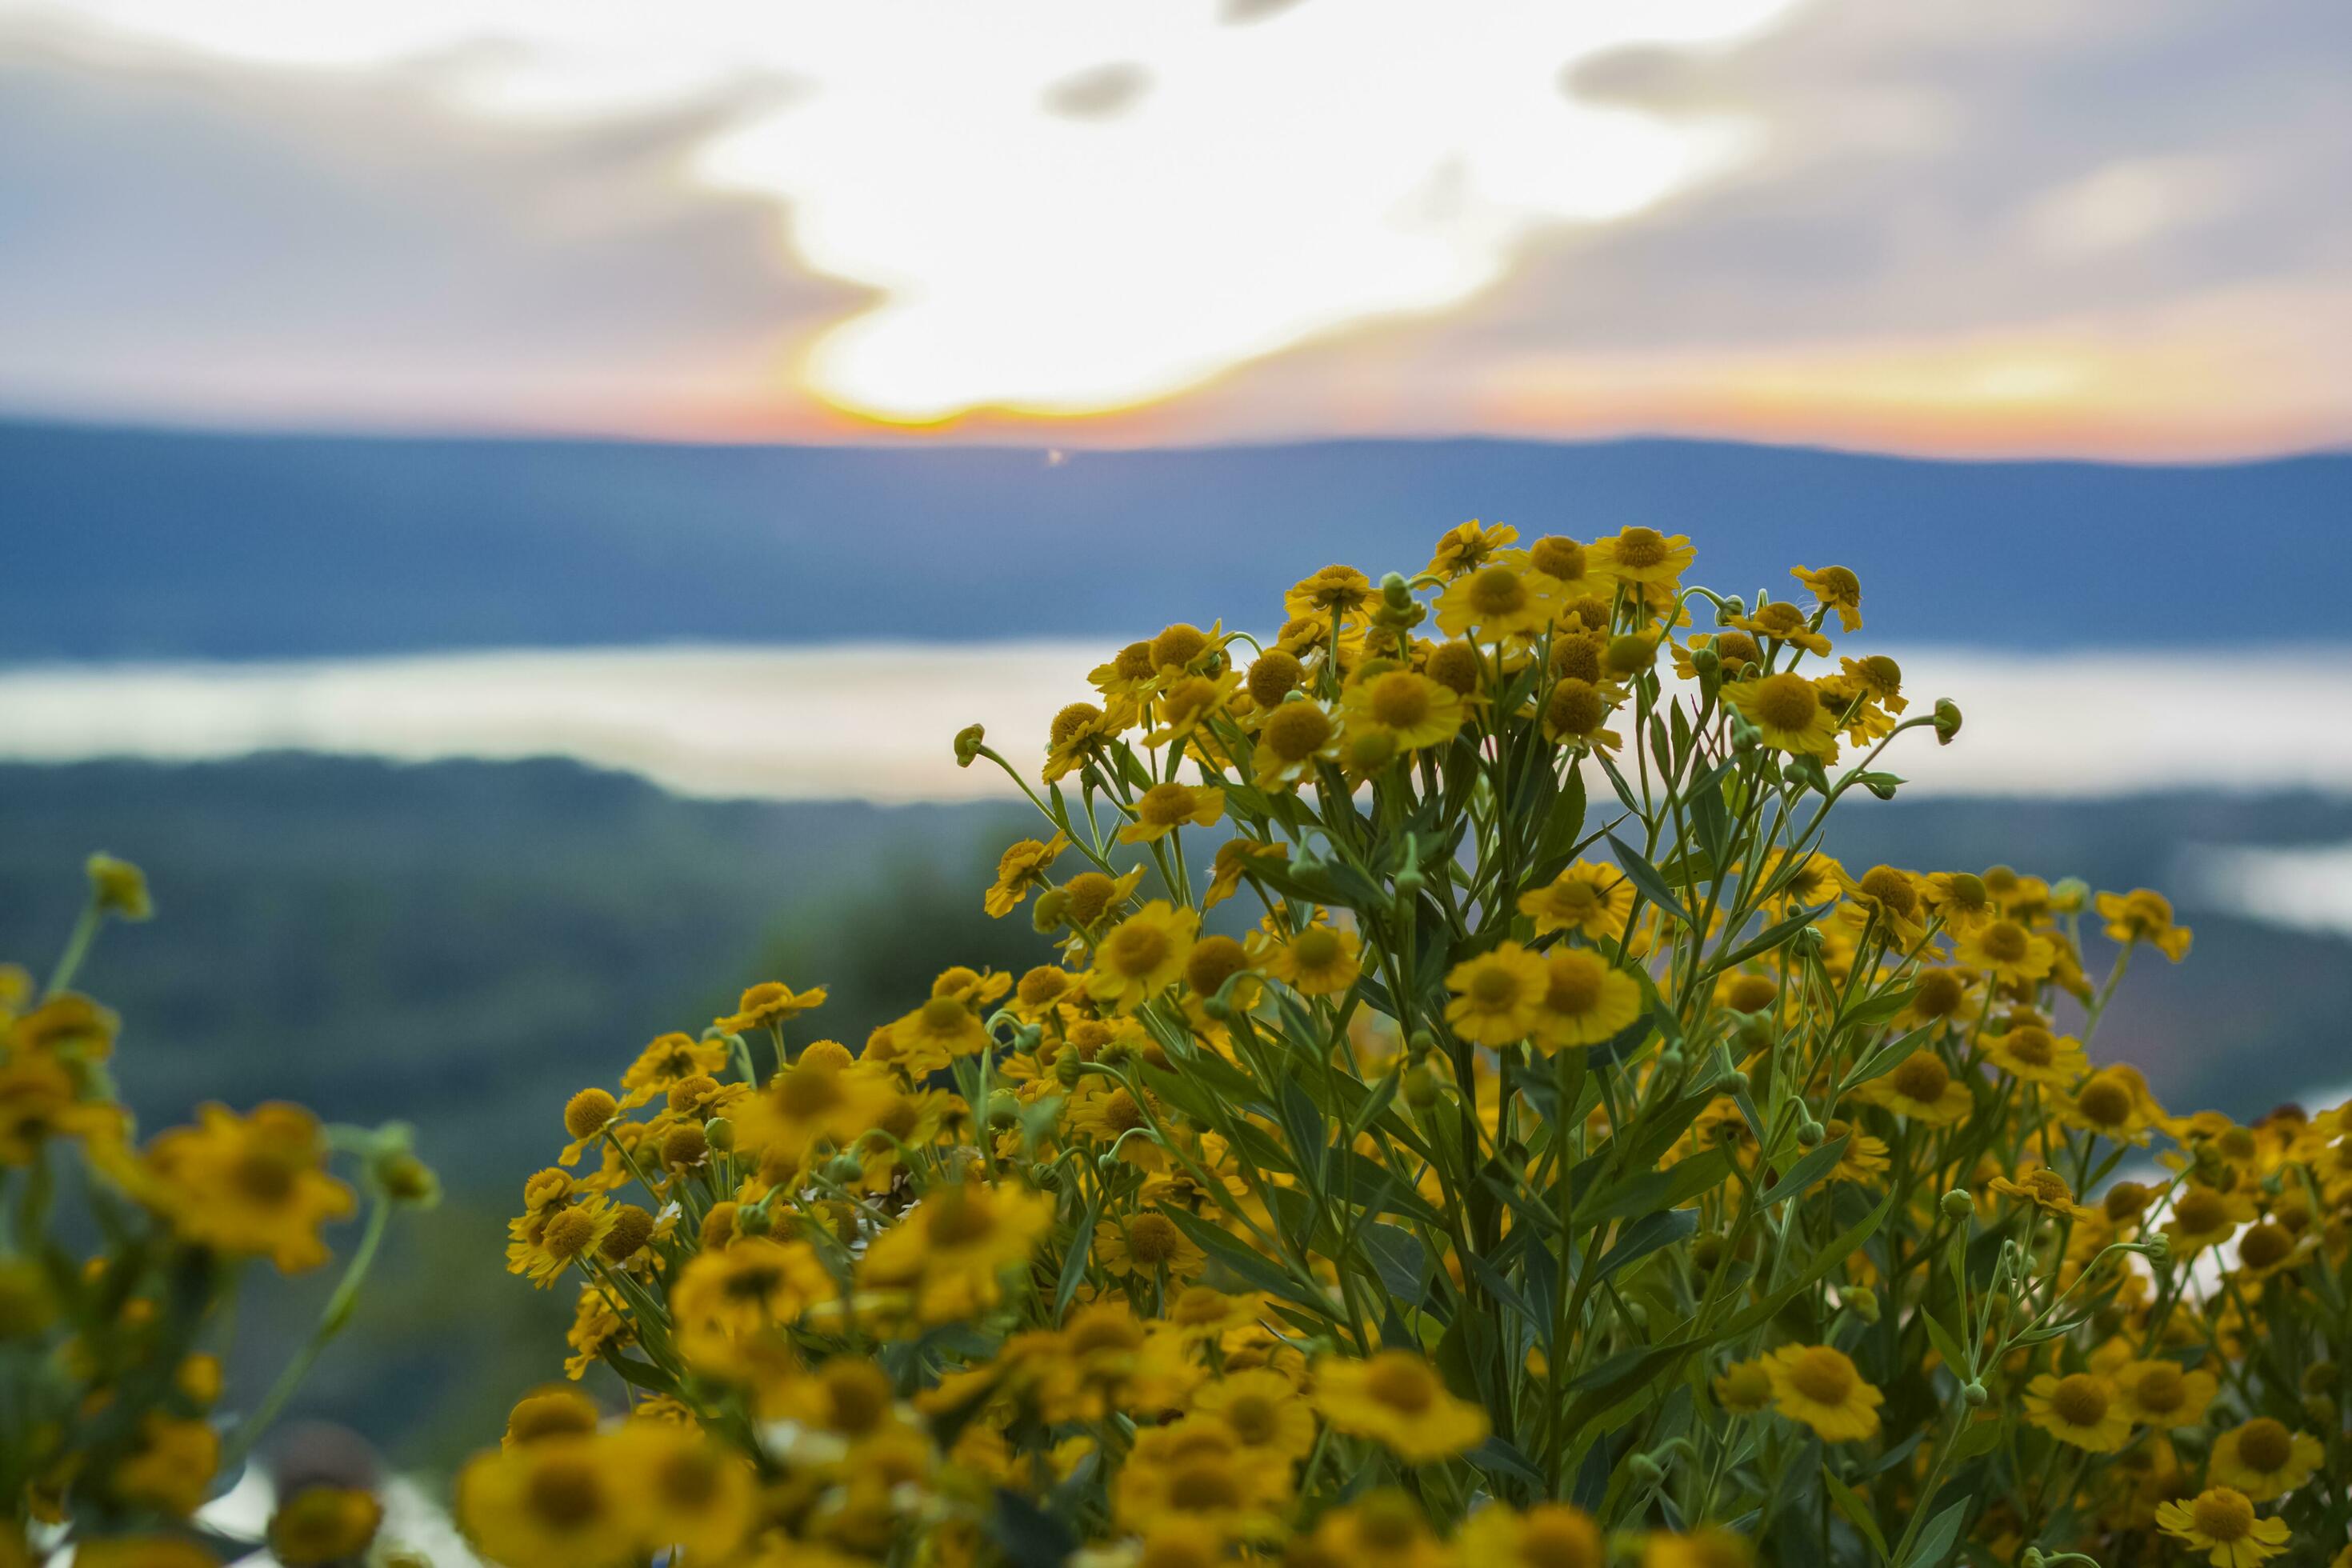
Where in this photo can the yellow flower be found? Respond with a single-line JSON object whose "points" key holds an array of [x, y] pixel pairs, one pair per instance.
{"points": [[1196, 1469], [1642, 556], [1234, 860], [1263, 1409], [2046, 1191], [1820, 1386], [2203, 1217], [39, 1101], [693, 1498], [1834, 588], [2113, 1103], [941, 1028], [1146, 1243], [1888, 898], [953, 1248], [2007, 951], [557, 1504], [1019, 869], [669, 1059], [1496, 602], [1294, 737], [1576, 712], [1142, 955], [1709, 1548], [2031, 1052], [2160, 1394], [723, 1301], [2081, 1408], [2144, 916], [1865, 1157], [768, 1004], [1334, 592], [1467, 546], [172, 1468], [2221, 1522], [817, 1101], [1788, 712], [2263, 1459], [1496, 995], [1593, 900], [1745, 1387], [1548, 1535], [1585, 1000], [1784, 621], [1164, 807], [323, 1524], [546, 1242], [1921, 1088], [252, 1186], [1407, 709], [1397, 1399], [1079, 733], [1569, 564]]}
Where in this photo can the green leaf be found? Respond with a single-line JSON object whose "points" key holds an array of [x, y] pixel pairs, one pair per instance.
{"points": [[1857, 1512], [1654, 1190], [1646, 1235], [1886, 1058], [1565, 820], [1947, 1346], [1805, 1173], [1646, 878], [1398, 1258], [1934, 1542]]}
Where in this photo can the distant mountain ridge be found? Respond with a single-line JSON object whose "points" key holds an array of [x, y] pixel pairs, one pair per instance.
{"points": [[144, 544]]}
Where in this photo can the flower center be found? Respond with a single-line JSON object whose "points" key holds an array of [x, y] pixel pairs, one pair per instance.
{"points": [[1890, 889], [1940, 994], [1822, 1376], [1315, 947], [1296, 731], [2200, 1211], [1401, 1386], [2004, 941], [1180, 644], [1204, 1488], [2032, 1046], [1922, 1078], [1398, 700], [2160, 1388], [956, 1219], [2263, 1245], [2103, 1102], [1498, 591], [1641, 548], [1166, 805], [565, 1494], [1557, 556], [1575, 984], [2264, 1445], [2079, 1401], [1121, 1113], [2222, 1514], [1495, 986], [1786, 701], [1252, 1416], [1151, 1240], [1576, 707], [1138, 948]]}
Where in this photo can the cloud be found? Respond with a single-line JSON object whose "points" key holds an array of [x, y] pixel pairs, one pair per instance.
{"points": [[1974, 225], [202, 237]]}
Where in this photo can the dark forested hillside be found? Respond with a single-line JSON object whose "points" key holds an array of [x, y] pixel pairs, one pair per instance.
{"points": [[128, 543]]}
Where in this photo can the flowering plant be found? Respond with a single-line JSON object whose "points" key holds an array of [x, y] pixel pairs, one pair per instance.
{"points": [[118, 1276], [1474, 1118]]}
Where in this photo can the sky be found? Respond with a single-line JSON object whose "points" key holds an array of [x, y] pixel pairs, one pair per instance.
{"points": [[2104, 227]]}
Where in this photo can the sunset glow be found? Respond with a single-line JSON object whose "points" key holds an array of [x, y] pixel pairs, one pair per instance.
{"points": [[1184, 220]]}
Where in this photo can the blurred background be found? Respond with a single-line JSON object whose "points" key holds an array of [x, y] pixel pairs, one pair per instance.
{"points": [[504, 505]]}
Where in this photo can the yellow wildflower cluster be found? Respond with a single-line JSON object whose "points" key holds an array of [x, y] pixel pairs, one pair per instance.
{"points": [[1472, 1120], [118, 1264]]}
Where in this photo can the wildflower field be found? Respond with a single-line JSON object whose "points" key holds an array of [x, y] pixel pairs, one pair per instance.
{"points": [[1473, 1121]]}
